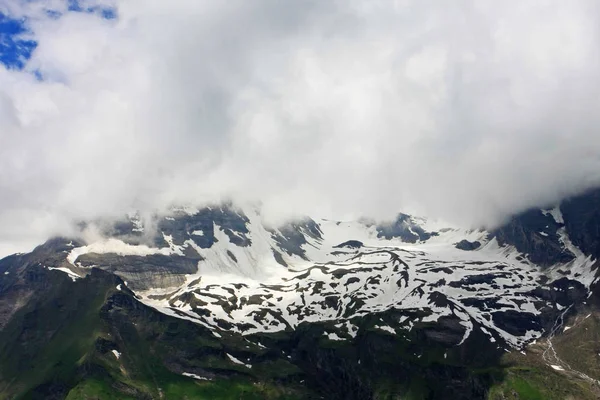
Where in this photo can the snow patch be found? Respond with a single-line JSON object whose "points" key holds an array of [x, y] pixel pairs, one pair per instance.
{"points": [[200, 378], [115, 246], [333, 336], [236, 361], [67, 271], [387, 329]]}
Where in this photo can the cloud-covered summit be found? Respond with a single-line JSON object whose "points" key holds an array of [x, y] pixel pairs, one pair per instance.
{"points": [[468, 111]]}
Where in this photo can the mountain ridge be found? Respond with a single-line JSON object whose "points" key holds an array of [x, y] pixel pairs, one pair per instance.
{"points": [[307, 297]]}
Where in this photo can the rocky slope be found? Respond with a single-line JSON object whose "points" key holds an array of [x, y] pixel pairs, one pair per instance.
{"points": [[311, 309]]}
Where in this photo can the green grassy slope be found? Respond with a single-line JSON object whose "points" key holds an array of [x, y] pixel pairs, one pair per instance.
{"points": [[62, 344]]}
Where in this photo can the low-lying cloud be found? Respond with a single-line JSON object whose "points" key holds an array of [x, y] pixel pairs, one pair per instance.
{"points": [[466, 111]]}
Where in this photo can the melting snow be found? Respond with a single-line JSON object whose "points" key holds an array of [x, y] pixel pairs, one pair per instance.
{"points": [[387, 329], [67, 271], [333, 336], [251, 289], [201, 378], [236, 361]]}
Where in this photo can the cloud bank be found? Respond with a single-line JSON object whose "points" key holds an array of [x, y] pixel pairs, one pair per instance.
{"points": [[467, 111]]}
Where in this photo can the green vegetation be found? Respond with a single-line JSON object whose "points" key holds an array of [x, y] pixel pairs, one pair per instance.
{"points": [[517, 387], [579, 346], [529, 377], [95, 389], [184, 389], [46, 342], [60, 345], [529, 383]]}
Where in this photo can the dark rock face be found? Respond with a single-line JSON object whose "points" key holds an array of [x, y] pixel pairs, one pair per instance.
{"points": [[22, 275], [50, 254], [200, 227], [535, 234], [353, 244], [181, 226], [447, 331], [151, 263], [516, 323], [563, 292], [404, 228], [582, 220], [467, 246], [292, 237], [470, 280], [104, 346], [144, 272]]}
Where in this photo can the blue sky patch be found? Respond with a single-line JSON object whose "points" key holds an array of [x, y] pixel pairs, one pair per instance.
{"points": [[15, 50], [104, 12], [16, 46]]}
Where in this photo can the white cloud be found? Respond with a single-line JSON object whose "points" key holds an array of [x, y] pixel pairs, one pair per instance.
{"points": [[468, 111]]}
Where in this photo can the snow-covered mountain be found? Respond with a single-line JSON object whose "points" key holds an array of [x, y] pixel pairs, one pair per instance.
{"points": [[205, 300], [224, 268]]}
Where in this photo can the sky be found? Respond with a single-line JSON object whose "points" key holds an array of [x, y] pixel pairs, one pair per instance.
{"points": [[467, 111]]}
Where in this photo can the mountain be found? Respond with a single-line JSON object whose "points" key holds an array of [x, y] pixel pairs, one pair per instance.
{"points": [[213, 303]]}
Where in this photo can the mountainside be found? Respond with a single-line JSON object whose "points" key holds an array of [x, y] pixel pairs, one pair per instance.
{"points": [[214, 303]]}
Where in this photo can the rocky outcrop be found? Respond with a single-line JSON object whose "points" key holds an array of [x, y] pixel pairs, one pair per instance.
{"points": [[582, 221], [467, 246], [22, 275], [292, 236], [534, 234], [352, 244], [199, 226], [144, 272], [405, 228]]}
